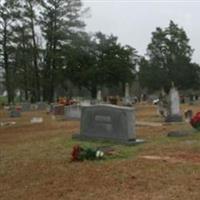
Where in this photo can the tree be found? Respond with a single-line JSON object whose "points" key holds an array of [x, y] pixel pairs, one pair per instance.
{"points": [[100, 61], [29, 20], [115, 63], [7, 18], [23, 61], [169, 60], [60, 20]]}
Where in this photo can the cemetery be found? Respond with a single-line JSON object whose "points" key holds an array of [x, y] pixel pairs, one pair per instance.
{"points": [[99, 100], [37, 160]]}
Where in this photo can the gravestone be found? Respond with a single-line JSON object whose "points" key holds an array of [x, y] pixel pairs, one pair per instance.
{"points": [[41, 105], [72, 112], [162, 104], [85, 102], [26, 106], [15, 112], [99, 96], [108, 122], [174, 113], [127, 99], [188, 115], [113, 100], [58, 109], [51, 108]]}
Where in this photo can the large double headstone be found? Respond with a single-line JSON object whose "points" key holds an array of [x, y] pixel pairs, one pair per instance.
{"points": [[108, 122]]}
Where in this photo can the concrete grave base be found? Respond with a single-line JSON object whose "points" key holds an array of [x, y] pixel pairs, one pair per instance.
{"points": [[125, 142], [173, 118]]}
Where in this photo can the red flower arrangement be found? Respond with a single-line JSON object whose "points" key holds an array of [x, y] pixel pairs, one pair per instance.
{"points": [[195, 121], [76, 152], [79, 154]]}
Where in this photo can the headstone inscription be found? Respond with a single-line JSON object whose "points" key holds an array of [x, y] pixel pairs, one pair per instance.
{"points": [[108, 122]]}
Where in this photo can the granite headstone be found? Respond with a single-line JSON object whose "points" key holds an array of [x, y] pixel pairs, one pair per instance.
{"points": [[108, 122]]}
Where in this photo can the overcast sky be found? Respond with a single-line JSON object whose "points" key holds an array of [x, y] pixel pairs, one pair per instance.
{"points": [[133, 21]]}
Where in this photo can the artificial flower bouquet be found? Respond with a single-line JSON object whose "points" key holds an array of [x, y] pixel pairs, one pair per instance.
{"points": [[79, 154]]}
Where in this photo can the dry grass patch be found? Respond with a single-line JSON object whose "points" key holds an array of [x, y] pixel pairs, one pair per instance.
{"points": [[34, 162]]}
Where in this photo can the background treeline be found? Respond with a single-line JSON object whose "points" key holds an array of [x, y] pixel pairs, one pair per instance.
{"points": [[43, 46]]}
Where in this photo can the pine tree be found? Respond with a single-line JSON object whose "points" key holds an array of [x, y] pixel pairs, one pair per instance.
{"points": [[7, 21], [60, 20]]}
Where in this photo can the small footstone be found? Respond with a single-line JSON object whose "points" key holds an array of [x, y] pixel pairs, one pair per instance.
{"points": [[178, 133]]}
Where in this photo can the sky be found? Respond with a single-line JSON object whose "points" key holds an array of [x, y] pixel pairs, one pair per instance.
{"points": [[133, 21]]}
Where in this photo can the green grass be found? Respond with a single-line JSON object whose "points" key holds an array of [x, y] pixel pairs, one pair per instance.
{"points": [[119, 151], [3, 100]]}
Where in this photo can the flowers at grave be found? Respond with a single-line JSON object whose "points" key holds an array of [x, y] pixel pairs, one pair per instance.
{"points": [[195, 121], [79, 154]]}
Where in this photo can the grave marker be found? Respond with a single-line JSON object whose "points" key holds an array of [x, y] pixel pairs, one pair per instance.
{"points": [[108, 122], [174, 113], [72, 112], [26, 106]]}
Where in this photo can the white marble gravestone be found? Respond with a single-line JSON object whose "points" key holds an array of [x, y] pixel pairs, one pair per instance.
{"points": [[127, 99], [99, 96], [42, 105], [174, 113], [108, 122]]}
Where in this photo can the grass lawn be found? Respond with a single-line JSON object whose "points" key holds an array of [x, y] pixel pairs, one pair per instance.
{"points": [[34, 162]]}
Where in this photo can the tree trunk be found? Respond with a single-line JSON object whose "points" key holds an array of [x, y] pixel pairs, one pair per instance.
{"points": [[35, 58], [6, 67], [94, 92], [25, 68]]}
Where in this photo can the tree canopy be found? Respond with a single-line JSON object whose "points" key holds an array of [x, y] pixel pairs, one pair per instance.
{"points": [[44, 46], [47, 46], [169, 60]]}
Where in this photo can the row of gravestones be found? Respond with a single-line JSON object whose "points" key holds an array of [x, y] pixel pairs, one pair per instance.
{"points": [[111, 122], [116, 123], [15, 111], [25, 107]]}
